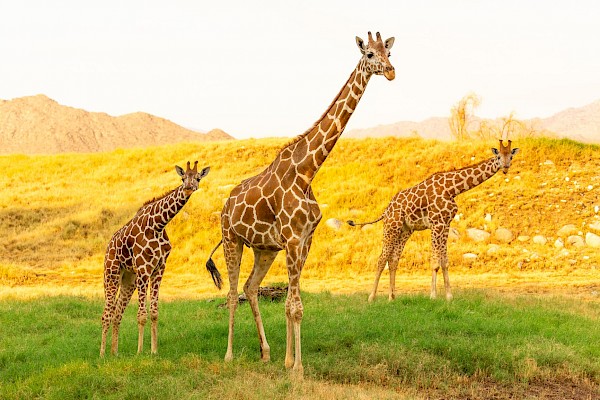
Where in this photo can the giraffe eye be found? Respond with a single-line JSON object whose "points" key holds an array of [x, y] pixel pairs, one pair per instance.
{"points": [[370, 55]]}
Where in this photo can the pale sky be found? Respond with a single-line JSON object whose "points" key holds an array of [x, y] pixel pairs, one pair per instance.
{"points": [[270, 68]]}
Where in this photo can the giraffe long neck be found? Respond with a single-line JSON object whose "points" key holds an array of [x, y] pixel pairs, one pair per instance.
{"points": [[464, 179], [308, 152], [163, 210]]}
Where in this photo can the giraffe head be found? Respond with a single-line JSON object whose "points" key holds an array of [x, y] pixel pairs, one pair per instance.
{"points": [[505, 155], [191, 177], [376, 55]]}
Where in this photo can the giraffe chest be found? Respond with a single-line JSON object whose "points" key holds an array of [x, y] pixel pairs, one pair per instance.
{"points": [[133, 248], [268, 222]]}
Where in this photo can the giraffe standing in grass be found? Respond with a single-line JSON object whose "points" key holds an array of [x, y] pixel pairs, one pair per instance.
{"points": [[276, 209], [136, 257], [430, 205]]}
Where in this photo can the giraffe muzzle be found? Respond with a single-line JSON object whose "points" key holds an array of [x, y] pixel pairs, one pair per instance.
{"points": [[390, 74]]}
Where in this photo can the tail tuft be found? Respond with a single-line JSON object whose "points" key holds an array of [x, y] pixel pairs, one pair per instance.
{"points": [[214, 273], [351, 223]]}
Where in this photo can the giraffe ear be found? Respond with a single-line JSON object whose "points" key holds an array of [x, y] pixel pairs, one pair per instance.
{"points": [[389, 43], [495, 151], [179, 170], [204, 172], [515, 151], [361, 44]]}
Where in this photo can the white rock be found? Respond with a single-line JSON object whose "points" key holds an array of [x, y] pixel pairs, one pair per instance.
{"points": [[559, 244], [594, 226], [453, 234], [575, 241], [503, 235], [567, 230], [592, 240], [539, 239], [548, 162], [470, 256], [488, 218], [523, 238], [334, 223], [493, 249], [477, 235]]}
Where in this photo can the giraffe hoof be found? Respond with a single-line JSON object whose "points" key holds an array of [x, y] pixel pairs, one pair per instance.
{"points": [[297, 372], [371, 298], [228, 357]]}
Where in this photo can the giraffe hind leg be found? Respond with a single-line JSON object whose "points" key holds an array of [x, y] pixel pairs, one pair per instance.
{"points": [[233, 256], [262, 263], [111, 288], [125, 293]]}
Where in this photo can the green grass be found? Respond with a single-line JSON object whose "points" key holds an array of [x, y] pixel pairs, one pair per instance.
{"points": [[478, 344]]}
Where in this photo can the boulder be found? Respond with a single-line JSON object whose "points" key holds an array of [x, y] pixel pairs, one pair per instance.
{"points": [[492, 249], [567, 230], [539, 239], [503, 235], [575, 241], [453, 235], [469, 256], [559, 244], [595, 226], [523, 238], [592, 240], [477, 235], [334, 223]]}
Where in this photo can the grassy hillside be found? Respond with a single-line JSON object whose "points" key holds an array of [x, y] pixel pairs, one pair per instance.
{"points": [[57, 213]]}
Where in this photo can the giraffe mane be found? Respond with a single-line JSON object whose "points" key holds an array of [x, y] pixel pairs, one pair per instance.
{"points": [[157, 198], [317, 122]]}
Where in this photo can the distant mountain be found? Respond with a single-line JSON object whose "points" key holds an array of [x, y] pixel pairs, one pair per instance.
{"points": [[581, 124], [39, 125]]}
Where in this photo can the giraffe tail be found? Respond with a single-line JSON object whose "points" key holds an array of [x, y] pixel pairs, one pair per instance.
{"points": [[352, 223], [212, 268]]}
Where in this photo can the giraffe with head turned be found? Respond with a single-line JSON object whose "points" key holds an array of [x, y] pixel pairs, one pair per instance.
{"points": [[430, 205], [276, 209], [136, 257]]}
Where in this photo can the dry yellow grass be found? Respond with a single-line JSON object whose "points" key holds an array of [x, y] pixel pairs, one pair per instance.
{"points": [[57, 214]]}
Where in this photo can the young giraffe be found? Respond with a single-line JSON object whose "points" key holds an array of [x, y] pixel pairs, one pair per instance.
{"points": [[276, 209], [136, 257], [430, 205]]}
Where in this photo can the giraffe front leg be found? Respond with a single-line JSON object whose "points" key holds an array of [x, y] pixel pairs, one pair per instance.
{"points": [[142, 315], [154, 308], [295, 258]]}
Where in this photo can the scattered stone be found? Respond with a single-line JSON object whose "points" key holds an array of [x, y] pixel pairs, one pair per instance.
{"points": [[453, 234], [503, 235], [324, 205], [470, 256], [488, 218], [548, 162], [567, 230], [457, 217], [590, 187], [492, 249], [334, 223], [477, 235], [523, 238], [575, 241], [592, 240], [594, 226], [559, 244], [539, 239]]}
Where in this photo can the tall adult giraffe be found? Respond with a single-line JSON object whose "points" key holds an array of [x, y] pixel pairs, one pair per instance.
{"points": [[430, 205], [136, 256], [276, 209]]}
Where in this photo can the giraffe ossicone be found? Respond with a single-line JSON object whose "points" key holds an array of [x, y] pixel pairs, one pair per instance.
{"points": [[136, 256], [430, 205], [276, 209]]}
